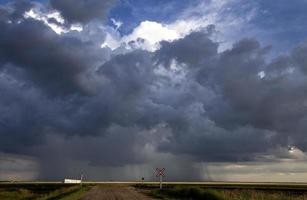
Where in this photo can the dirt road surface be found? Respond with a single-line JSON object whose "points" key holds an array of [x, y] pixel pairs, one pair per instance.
{"points": [[114, 192]]}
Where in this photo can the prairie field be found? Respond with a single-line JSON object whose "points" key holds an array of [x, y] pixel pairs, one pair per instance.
{"points": [[170, 191], [227, 192], [41, 191], [215, 194]]}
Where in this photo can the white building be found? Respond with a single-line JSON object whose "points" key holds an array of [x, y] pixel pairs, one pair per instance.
{"points": [[71, 181]]}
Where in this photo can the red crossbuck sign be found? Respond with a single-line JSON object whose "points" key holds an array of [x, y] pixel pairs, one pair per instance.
{"points": [[160, 172]]}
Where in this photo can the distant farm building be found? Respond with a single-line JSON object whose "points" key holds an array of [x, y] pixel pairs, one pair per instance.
{"points": [[71, 181]]}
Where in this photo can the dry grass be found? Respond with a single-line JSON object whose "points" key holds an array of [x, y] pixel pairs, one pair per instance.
{"points": [[218, 194], [41, 192], [261, 195]]}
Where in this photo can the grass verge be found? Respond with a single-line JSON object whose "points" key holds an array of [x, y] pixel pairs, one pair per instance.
{"points": [[42, 192], [196, 193], [187, 193]]}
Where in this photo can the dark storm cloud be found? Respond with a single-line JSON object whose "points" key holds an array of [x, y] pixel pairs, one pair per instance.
{"points": [[66, 100], [185, 50], [83, 11], [215, 144], [55, 62], [270, 109], [274, 102], [22, 117], [299, 57], [20, 7]]}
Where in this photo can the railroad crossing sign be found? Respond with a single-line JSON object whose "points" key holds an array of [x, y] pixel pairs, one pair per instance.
{"points": [[160, 173]]}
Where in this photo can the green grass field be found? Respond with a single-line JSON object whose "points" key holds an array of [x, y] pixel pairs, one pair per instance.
{"points": [[226, 192], [215, 194], [171, 191], [41, 191]]}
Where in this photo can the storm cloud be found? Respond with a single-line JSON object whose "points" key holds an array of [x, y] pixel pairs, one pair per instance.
{"points": [[83, 11], [66, 100]]}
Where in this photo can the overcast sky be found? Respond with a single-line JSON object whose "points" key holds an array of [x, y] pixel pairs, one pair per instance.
{"points": [[208, 89]]}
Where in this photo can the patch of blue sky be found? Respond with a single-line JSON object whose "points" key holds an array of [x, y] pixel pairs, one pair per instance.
{"points": [[4, 1], [8, 1], [132, 12], [281, 23]]}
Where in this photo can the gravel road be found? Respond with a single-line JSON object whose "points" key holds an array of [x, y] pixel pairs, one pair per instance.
{"points": [[114, 192]]}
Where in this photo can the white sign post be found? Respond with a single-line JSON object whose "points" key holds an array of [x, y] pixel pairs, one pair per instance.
{"points": [[81, 179], [160, 174]]}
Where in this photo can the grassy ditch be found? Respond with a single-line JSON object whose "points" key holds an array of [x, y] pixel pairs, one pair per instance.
{"points": [[41, 191], [197, 193], [187, 193]]}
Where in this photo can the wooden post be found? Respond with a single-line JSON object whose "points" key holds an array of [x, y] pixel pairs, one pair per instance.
{"points": [[161, 181]]}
